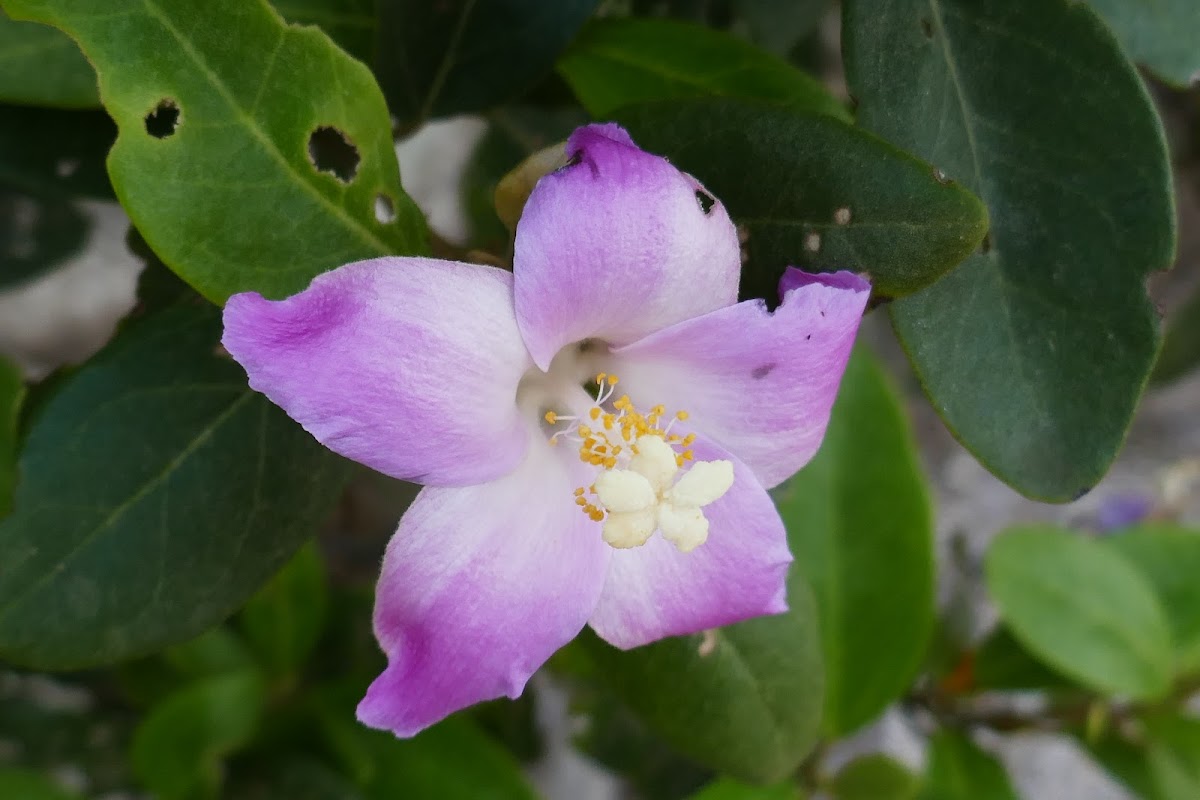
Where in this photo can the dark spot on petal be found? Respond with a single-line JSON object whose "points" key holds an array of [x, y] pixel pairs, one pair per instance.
{"points": [[330, 151], [927, 27], [758, 373], [807, 336], [163, 120], [706, 201]]}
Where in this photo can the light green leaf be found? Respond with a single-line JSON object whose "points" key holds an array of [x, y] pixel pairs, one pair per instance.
{"points": [[42, 66], [1081, 608], [744, 700], [1036, 350], [251, 155], [1173, 755], [874, 777], [1161, 34], [1169, 558], [728, 789], [616, 62], [12, 394], [285, 619], [178, 749], [861, 529], [158, 492], [958, 770], [215, 652], [844, 201]]}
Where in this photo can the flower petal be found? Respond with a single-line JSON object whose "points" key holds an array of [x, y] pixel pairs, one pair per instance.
{"points": [[407, 365], [480, 585], [617, 244], [760, 384], [739, 572]]}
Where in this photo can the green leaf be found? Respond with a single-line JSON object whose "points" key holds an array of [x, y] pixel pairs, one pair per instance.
{"points": [[37, 234], [728, 789], [295, 778], [874, 777], [217, 111], [958, 770], [1169, 558], [214, 652], [1161, 34], [455, 56], [778, 25], [12, 394], [1035, 351], [42, 66], [1082, 609], [845, 200], [25, 784], [1181, 350], [1126, 762], [1003, 663], [285, 619], [1174, 757], [861, 529], [451, 761], [744, 700], [616, 62], [178, 749], [158, 492], [350, 23]]}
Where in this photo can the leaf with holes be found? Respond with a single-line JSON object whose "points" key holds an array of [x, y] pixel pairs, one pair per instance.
{"points": [[615, 62], [744, 700], [42, 66], [12, 394], [861, 528], [1034, 352], [251, 155], [1083, 609], [845, 200], [455, 56], [157, 493], [1162, 35]]}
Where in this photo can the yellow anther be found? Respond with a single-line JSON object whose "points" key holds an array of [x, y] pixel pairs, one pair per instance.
{"points": [[658, 410], [597, 515], [681, 415], [600, 378], [551, 417], [610, 462], [617, 450], [673, 438], [581, 501], [687, 454], [613, 380], [687, 440], [579, 492], [679, 461], [594, 413], [585, 431]]}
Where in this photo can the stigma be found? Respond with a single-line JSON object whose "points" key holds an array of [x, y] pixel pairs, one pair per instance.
{"points": [[648, 480]]}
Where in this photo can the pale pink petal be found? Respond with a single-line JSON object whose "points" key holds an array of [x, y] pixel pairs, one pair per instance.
{"points": [[760, 384], [480, 585], [738, 573], [407, 365], [617, 244]]}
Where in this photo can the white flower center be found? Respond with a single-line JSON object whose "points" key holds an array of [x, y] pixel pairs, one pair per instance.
{"points": [[636, 492]]}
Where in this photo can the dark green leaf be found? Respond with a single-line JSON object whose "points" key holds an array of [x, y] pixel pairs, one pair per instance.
{"points": [[284, 620], [727, 789], [36, 235], [54, 153], [215, 652], [616, 62], [1181, 350], [42, 66], [1169, 558], [874, 777], [1003, 663], [213, 160], [12, 393], [815, 193], [1161, 34], [178, 749], [350, 23], [450, 761], [450, 57], [958, 770], [24, 784], [1036, 350], [1082, 609], [157, 493], [1174, 757], [777, 25], [295, 778], [861, 529], [744, 700], [1126, 762]]}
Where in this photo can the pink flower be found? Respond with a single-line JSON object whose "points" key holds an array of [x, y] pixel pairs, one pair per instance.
{"points": [[638, 507]]}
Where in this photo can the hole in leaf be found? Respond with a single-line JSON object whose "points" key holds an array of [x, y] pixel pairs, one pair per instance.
{"points": [[927, 28], [706, 201], [385, 210], [330, 151], [163, 120]]}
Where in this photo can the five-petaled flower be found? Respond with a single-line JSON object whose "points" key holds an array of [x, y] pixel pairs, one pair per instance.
{"points": [[596, 430]]}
